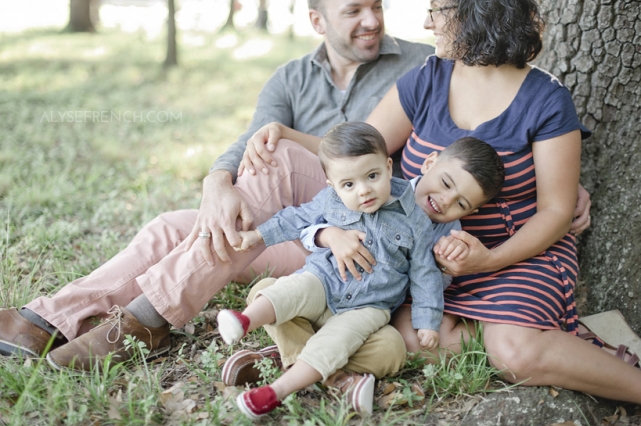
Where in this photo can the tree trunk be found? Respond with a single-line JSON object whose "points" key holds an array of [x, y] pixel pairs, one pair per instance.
{"points": [[172, 49], [594, 47], [261, 22], [230, 17], [83, 14]]}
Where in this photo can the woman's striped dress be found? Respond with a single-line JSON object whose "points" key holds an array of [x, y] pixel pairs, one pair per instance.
{"points": [[537, 292]]}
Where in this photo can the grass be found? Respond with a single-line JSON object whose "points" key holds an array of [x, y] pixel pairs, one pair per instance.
{"points": [[73, 192]]}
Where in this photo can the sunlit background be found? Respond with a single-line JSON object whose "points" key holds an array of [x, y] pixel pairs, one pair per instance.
{"points": [[404, 18]]}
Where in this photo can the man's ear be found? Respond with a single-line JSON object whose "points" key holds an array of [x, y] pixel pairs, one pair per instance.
{"points": [[318, 21], [430, 160]]}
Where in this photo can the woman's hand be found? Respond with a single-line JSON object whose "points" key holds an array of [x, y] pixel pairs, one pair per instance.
{"points": [[222, 210], [258, 151], [347, 250], [478, 259], [582, 218]]}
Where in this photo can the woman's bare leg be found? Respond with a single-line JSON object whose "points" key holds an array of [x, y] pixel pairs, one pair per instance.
{"points": [[556, 358]]}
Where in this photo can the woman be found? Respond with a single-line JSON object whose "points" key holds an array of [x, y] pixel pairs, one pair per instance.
{"points": [[519, 278]]}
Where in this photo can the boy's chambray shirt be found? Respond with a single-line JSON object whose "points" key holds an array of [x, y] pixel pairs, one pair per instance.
{"points": [[399, 235]]}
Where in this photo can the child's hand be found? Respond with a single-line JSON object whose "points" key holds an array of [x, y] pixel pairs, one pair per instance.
{"points": [[347, 250], [428, 338], [248, 240], [451, 248]]}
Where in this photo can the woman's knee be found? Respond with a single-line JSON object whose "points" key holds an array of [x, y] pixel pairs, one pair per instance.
{"points": [[514, 354]]}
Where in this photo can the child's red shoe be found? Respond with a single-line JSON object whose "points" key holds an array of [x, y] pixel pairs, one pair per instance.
{"points": [[257, 402], [232, 325]]}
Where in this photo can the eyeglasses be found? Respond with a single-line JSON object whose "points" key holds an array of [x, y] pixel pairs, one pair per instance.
{"points": [[439, 9]]}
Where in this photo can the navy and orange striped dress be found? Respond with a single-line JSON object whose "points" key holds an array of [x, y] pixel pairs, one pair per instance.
{"points": [[537, 292]]}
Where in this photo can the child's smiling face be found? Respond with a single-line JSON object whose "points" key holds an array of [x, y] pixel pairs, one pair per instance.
{"points": [[447, 192]]}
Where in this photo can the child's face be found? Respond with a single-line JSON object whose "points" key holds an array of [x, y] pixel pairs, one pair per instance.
{"points": [[363, 182], [446, 191]]}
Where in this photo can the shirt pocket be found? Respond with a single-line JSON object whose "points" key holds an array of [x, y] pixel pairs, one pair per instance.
{"points": [[397, 245], [342, 218]]}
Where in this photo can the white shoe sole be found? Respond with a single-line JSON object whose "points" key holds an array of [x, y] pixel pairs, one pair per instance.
{"points": [[363, 395], [229, 327]]}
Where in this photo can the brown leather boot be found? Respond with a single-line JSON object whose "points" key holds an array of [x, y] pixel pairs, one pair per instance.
{"points": [[358, 389], [19, 336], [92, 348]]}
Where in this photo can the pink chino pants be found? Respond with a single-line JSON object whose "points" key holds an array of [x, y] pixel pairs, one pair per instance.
{"points": [[177, 282]]}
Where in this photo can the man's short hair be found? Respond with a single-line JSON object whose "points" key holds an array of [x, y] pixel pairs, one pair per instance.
{"points": [[350, 139], [315, 4], [481, 161]]}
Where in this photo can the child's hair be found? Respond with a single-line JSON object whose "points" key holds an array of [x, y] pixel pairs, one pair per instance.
{"points": [[481, 161], [350, 139]]}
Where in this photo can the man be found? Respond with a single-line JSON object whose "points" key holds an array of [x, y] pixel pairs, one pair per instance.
{"points": [[162, 277]]}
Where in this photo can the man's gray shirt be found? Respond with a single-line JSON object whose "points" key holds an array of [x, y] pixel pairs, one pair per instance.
{"points": [[302, 95]]}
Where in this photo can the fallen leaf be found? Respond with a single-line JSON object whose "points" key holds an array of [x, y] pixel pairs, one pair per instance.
{"points": [[389, 388], [554, 392], [114, 412], [220, 386], [387, 401], [417, 389]]}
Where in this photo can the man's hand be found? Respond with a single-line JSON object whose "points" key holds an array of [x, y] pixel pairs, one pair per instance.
{"points": [[428, 338], [347, 250], [222, 213], [258, 151], [582, 218]]}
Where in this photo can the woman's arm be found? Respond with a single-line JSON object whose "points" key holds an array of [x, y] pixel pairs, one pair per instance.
{"points": [[557, 166], [390, 119]]}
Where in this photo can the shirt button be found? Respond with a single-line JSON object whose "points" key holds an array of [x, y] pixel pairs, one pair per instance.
{"points": [[370, 241], [348, 297], [343, 217], [398, 237]]}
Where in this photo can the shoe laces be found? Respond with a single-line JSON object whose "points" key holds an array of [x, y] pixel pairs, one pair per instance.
{"points": [[116, 323]]}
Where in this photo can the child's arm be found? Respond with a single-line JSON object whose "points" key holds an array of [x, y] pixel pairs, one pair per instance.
{"points": [[249, 239], [451, 248], [428, 338]]}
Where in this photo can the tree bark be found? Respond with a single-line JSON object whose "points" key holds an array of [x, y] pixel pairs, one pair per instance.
{"points": [[594, 47], [83, 15], [172, 49]]}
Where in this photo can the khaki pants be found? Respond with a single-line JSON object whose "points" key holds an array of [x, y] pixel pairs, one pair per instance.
{"points": [[320, 339], [179, 283]]}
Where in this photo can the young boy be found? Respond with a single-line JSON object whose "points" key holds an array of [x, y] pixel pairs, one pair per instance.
{"points": [[362, 195]]}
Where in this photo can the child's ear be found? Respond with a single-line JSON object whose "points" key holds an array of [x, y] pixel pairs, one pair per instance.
{"points": [[390, 167], [329, 183], [430, 160]]}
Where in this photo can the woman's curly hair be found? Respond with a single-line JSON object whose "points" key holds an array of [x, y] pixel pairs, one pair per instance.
{"points": [[496, 32]]}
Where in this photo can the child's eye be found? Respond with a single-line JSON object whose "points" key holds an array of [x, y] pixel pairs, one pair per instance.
{"points": [[446, 184], [373, 176], [348, 184], [461, 205]]}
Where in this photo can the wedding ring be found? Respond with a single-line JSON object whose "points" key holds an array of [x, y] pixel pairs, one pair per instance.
{"points": [[203, 234]]}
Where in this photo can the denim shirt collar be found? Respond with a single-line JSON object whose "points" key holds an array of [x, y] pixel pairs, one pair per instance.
{"points": [[389, 46], [401, 191]]}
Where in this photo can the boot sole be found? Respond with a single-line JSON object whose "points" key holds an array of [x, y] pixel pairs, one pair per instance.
{"points": [[152, 355], [9, 349]]}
